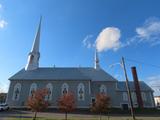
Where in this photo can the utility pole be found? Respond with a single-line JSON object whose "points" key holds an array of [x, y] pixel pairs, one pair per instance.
{"points": [[128, 89]]}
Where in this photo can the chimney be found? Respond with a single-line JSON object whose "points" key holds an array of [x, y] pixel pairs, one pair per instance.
{"points": [[137, 87]]}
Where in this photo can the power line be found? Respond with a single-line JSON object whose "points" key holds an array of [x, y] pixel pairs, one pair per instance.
{"points": [[137, 61], [155, 85]]}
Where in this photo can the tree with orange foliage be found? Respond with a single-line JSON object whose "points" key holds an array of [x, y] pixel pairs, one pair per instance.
{"points": [[37, 101], [101, 104], [66, 103]]}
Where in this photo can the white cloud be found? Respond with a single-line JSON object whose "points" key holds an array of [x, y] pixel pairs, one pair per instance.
{"points": [[149, 32], [87, 42], [150, 28], [3, 24], [108, 39]]}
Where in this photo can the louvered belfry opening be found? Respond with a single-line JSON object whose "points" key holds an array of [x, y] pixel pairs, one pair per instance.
{"points": [[137, 87]]}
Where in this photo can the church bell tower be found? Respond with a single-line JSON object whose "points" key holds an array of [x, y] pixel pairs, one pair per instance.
{"points": [[34, 55]]}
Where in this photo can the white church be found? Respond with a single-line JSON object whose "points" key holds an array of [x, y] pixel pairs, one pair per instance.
{"points": [[84, 82]]}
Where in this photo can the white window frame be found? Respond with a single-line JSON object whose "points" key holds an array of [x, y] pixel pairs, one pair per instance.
{"points": [[134, 97], [64, 85], [125, 96], [32, 87], [49, 87], [144, 98], [81, 86], [17, 86], [103, 89]]}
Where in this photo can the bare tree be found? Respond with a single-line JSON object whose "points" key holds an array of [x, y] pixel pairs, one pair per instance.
{"points": [[3, 97]]}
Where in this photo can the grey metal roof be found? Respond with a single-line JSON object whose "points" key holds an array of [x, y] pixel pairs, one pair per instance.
{"points": [[77, 73], [121, 85]]}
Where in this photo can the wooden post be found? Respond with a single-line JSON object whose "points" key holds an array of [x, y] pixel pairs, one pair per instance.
{"points": [[128, 89]]}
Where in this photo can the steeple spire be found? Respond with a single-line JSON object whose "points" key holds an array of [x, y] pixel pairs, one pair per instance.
{"points": [[96, 64], [36, 43], [34, 55]]}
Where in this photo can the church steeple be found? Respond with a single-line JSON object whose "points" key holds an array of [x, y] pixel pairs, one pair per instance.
{"points": [[96, 62], [34, 55]]}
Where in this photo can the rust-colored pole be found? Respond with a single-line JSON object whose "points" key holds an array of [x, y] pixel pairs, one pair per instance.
{"points": [[137, 87]]}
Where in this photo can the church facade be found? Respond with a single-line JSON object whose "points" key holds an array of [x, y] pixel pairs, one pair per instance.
{"points": [[84, 82]]}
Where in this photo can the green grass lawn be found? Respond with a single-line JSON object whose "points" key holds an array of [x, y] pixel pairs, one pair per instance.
{"points": [[94, 118], [27, 115]]}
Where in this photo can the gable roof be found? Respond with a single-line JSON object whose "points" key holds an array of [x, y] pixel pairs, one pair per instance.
{"points": [[121, 86], [81, 73]]}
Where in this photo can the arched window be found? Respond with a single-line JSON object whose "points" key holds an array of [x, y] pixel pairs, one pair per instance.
{"points": [[81, 91], [103, 89], [125, 96], [49, 88], [16, 92], [64, 88], [33, 88], [143, 96], [134, 98]]}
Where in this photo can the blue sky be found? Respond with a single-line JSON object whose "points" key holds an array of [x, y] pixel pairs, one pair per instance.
{"points": [[72, 29]]}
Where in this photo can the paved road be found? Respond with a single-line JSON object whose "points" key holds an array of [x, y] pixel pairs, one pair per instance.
{"points": [[14, 113]]}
